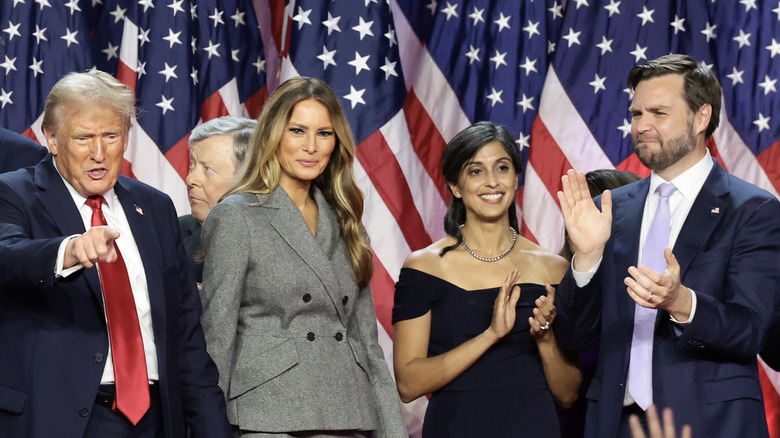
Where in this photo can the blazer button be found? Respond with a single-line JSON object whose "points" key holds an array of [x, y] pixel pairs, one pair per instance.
{"points": [[41, 282], [339, 336], [83, 412], [310, 336], [98, 357], [306, 298], [345, 300]]}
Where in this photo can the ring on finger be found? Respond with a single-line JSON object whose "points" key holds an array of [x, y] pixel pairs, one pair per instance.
{"points": [[545, 326], [651, 297]]}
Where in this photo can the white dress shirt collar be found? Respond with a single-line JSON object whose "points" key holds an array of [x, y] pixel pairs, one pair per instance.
{"points": [[690, 182], [111, 199]]}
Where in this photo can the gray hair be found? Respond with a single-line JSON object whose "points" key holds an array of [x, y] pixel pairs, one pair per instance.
{"points": [[93, 87], [241, 128]]}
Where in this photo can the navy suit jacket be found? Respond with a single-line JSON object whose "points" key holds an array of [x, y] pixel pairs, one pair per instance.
{"points": [[771, 351], [190, 235], [53, 336], [729, 254], [17, 151]]}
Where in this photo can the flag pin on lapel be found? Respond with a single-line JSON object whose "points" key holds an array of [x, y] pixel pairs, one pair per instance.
{"points": [[138, 210], [715, 210]]}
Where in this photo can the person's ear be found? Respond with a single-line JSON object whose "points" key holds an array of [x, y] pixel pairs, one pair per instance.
{"points": [[51, 141], [701, 119]]}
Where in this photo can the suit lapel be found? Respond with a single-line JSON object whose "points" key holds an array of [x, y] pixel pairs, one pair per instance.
{"points": [[626, 227], [291, 226], [56, 200], [707, 210], [58, 204]]}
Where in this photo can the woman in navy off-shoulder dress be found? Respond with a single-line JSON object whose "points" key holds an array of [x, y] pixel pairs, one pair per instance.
{"points": [[473, 311]]}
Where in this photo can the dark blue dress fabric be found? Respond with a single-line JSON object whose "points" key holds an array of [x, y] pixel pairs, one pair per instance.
{"points": [[504, 393]]}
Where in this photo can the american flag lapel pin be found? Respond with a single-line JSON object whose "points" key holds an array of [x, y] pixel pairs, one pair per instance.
{"points": [[138, 210], [715, 210]]}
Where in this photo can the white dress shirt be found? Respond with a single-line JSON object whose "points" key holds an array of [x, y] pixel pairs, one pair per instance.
{"points": [[116, 219]]}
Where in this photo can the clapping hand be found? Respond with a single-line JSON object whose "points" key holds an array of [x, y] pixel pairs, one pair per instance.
{"points": [[660, 290], [589, 228], [544, 314], [504, 308]]}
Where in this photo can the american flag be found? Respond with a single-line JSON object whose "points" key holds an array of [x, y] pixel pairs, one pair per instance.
{"points": [[186, 61], [411, 74]]}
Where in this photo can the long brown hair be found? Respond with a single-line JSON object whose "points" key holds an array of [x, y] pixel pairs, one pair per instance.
{"points": [[262, 170]]}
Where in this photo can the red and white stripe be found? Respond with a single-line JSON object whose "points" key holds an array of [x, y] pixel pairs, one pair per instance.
{"points": [[144, 160]]}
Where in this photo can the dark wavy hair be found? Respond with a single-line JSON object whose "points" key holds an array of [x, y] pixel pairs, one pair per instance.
{"points": [[700, 84], [460, 151]]}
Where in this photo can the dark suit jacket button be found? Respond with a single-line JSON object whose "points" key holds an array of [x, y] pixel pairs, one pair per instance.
{"points": [[306, 298], [99, 357], [345, 300], [83, 412], [41, 282], [310, 336], [339, 336]]}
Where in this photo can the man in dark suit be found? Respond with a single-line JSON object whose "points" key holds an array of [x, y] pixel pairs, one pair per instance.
{"points": [[75, 237], [17, 151], [701, 316]]}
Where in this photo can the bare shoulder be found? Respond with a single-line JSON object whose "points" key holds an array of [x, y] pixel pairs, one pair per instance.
{"points": [[428, 259], [549, 266]]}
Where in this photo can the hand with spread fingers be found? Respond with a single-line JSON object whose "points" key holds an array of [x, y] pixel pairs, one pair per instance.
{"points": [[544, 314], [589, 228], [654, 425], [660, 290]]}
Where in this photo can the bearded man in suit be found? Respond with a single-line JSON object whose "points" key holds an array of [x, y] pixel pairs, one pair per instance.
{"points": [[686, 333]]}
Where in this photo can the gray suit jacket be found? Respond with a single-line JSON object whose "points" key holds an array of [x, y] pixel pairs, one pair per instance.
{"points": [[294, 338]]}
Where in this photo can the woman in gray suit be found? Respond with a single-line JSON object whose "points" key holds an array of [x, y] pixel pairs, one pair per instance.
{"points": [[287, 307]]}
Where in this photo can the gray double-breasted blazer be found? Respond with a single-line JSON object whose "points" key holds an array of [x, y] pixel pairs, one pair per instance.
{"points": [[293, 336]]}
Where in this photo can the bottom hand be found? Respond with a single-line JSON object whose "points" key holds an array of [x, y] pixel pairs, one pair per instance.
{"points": [[654, 425], [660, 290]]}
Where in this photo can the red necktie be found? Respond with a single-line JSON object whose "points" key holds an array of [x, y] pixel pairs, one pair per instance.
{"points": [[127, 348]]}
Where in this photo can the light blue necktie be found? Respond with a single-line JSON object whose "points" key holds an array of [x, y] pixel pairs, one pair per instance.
{"points": [[640, 366]]}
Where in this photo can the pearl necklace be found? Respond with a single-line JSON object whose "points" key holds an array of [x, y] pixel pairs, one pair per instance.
{"points": [[492, 259]]}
